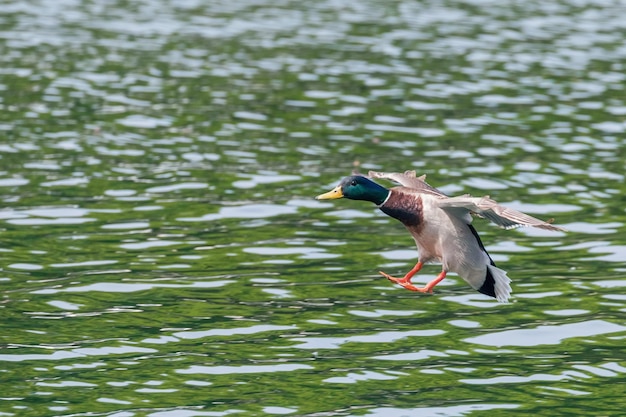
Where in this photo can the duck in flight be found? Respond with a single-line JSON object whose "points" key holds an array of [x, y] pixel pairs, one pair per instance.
{"points": [[441, 227]]}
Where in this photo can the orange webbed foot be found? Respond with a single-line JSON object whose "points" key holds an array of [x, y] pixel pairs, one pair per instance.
{"points": [[404, 281]]}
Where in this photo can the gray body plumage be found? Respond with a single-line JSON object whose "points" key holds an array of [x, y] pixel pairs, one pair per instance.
{"points": [[442, 230]]}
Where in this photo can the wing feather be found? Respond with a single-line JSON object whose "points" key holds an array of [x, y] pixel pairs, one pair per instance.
{"points": [[502, 216], [408, 179]]}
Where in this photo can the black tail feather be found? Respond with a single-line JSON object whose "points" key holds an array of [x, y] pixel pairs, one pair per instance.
{"points": [[488, 286]]}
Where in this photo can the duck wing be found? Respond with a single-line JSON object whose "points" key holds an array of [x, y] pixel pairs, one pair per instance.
{"points": [[485, 207], [410, 180]]}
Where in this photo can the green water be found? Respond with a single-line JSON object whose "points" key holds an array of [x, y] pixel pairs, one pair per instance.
{"points": [[162, 254]]}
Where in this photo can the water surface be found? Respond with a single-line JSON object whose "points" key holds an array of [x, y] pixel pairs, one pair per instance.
{"points": [[163, 256]]}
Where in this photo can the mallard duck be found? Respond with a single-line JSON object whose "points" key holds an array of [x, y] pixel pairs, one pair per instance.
{"points": [[441, 227]]}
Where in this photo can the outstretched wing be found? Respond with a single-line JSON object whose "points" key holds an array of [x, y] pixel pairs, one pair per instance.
{"points": [[408, 179], [500, 215]]}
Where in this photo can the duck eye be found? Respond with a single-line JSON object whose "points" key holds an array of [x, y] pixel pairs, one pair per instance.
{"points": [[353, 183]]}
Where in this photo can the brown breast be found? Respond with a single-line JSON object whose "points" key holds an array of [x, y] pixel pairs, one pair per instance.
{"points": [[405, 207]]}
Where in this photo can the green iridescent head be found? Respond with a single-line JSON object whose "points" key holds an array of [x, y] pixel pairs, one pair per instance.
{"points": [[357, 187]]}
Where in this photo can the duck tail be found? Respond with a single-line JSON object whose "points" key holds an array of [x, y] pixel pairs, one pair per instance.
{"points": [[496, 284]]}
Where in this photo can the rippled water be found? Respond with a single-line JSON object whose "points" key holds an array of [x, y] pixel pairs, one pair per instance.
{"points": [[162, 253]]}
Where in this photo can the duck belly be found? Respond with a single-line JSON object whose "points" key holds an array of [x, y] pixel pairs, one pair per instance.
{"points": [[463, 253]]}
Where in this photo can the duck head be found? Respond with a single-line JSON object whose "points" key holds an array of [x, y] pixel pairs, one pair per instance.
{"points": [[357, 187]]}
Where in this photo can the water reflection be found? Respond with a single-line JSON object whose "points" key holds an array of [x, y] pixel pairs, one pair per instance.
{"points": [[112, 287], [256, 369], [546, 335], [250, 211], [337, 342], [75, 353], [450, 411]]}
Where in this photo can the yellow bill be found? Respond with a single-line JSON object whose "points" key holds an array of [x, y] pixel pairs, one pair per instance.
{"points": [[331, 195]]}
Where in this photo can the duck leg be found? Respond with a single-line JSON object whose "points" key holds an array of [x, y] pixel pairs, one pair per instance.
{"points": [[405, 281], [429, 287]]}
